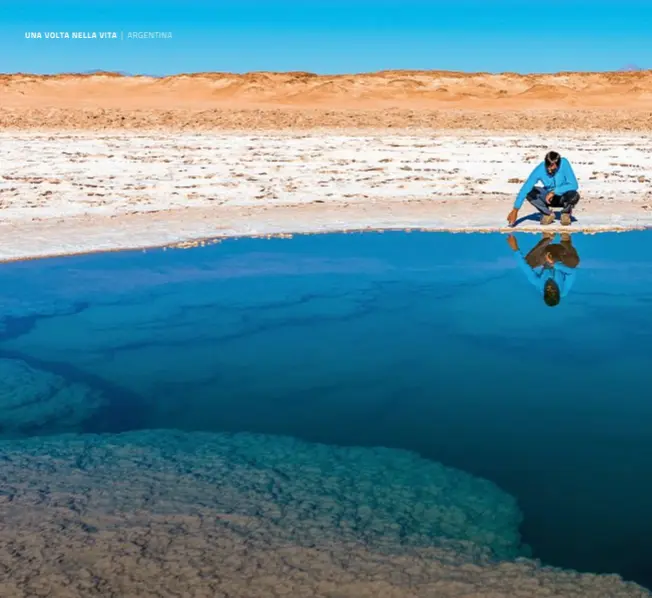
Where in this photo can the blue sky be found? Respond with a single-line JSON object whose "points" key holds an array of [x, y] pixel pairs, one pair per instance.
{"points": [[329, 37]]}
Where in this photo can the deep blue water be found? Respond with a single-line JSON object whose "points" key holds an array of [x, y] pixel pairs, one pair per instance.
{"points": [[432, 342]]}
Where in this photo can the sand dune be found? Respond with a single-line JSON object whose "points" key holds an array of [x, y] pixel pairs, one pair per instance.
{"points": [[546, 92], [431, 99]]}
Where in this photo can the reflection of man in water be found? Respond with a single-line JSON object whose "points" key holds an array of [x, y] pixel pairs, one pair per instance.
{"points": [[549, 266]]}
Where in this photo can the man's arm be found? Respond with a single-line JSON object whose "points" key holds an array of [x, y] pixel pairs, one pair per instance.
{"points": [[533, 179], [564, 268], [530, 274], [569, 279], [568, 179]]}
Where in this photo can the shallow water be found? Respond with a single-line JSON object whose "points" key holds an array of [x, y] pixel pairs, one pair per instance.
{"points": [[436, 343]]}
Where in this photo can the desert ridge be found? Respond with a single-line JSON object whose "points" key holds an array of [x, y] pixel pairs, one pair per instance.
{"points": [[384, 89]]}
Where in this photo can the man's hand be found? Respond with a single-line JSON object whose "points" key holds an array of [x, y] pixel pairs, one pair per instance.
{"points": [[512, 216], [549, 197], [512, 242]]}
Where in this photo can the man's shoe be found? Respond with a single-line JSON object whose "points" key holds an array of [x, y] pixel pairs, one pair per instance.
{"points": [[566, 219], [547, 219]]}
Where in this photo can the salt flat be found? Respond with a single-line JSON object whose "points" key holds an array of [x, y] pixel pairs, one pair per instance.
{"points": [[71, 191]]}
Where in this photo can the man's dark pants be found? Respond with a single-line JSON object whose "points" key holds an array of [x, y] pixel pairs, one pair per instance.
{"points": [[563, 252], [567, 201]]}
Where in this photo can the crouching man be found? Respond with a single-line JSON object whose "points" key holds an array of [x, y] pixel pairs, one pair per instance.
{"points": [[549, 266], [560, 190]]}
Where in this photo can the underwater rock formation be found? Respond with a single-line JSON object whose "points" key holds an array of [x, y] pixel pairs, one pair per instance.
{"points": [[161, 513], [33, 399]]}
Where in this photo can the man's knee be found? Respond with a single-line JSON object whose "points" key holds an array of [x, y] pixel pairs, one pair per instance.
{"points": [[571, 197], [565, 253], [533, 195], [568, 255], [571, 260]]}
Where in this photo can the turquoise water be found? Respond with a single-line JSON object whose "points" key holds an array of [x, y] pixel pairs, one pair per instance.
{"points": [[435, 343]]}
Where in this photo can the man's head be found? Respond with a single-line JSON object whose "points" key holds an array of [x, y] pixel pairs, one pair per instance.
{"points": [[552, 161], [551, 294]]}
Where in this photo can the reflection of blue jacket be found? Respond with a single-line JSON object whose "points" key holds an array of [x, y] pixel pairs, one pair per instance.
{"points": [[563, 180], [561, 274]]}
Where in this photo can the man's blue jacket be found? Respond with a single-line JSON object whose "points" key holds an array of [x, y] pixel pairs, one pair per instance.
{"points": [[559, 183]]}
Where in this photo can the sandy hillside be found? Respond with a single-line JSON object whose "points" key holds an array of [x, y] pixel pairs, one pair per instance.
{"points": [[414, 99]]}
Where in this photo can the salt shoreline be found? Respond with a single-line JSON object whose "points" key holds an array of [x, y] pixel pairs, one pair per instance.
{"points": [[56, 238], [78, 192]]}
